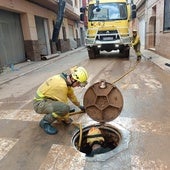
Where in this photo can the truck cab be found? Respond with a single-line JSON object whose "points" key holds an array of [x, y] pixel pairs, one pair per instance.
{"points": [[108, 27]]}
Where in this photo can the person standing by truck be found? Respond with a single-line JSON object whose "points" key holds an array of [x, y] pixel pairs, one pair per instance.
{"points": [[136, 44]]}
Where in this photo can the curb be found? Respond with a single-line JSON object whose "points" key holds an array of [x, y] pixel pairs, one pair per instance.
{"points": [[158, 60], [11, 75]]}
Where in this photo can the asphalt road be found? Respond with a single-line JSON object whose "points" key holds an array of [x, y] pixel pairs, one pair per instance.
{"points": [[143, 121]]}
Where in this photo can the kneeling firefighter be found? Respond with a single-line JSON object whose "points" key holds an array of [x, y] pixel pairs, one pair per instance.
{"points": [[52, 96], [95, 140]]}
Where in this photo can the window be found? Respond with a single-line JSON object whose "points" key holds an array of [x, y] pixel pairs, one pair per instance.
{"points": [[166, 15], [107, 12]]}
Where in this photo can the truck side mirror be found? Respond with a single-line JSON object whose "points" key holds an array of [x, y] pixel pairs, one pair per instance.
{"points": [[133, 8], [82, 9], [133, 14], [81, 17]]}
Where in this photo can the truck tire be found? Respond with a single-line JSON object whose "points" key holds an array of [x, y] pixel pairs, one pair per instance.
{"points": [[91, 53], [125, 53], [97, 52]]}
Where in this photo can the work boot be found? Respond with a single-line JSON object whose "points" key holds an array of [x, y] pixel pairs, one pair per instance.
{"points": [[45, 124], [47, 127]]}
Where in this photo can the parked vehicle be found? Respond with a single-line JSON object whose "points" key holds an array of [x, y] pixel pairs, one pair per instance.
{"points": [[108, 26]]}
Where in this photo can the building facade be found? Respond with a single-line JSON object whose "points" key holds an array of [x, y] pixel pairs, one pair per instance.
{"points": [[153, 24], [26, 28]]}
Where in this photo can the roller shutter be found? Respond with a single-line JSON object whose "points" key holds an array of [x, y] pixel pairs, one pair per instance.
{"points": [[11, 39]]}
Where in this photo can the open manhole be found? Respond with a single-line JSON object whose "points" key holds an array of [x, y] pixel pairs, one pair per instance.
{"points": [[103, 103], [111, 135]]}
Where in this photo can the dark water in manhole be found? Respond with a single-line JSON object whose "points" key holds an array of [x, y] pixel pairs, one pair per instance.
{"points": [[111, 135]]}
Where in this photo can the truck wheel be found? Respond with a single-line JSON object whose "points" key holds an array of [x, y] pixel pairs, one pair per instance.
{"points": [[91, 53], [125, 53], [97, 52]]}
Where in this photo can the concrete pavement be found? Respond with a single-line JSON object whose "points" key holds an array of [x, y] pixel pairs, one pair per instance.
{"points": [[160, 61], [18, 70], [146, 135]]}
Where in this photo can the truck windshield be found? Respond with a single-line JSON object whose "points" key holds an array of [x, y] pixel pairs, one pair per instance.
{"points": [[107, 12]]}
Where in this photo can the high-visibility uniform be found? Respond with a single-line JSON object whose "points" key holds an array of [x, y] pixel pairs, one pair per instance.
{"points": [[94, 135], [56, 88], [136, 44], [52, 96]]}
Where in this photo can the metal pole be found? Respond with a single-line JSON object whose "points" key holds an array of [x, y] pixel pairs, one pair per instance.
{"points": [[60, 16]]}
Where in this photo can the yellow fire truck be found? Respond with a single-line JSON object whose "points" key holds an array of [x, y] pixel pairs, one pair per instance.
{"points": [[108, 26]]}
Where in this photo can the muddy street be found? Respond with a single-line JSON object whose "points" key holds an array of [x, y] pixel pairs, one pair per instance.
{"points": [[143, 121]]}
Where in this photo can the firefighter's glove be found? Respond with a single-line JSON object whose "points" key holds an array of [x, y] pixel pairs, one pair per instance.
{"points": [[82, 108], [72, 110]]}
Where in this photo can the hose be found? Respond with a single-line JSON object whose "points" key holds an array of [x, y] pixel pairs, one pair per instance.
{"points": [[75, 113], [130, 70], [79, 125]]}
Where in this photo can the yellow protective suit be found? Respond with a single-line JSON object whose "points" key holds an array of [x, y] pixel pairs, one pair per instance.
{"points": [[136, 45], [55, 88], [94, 135]]}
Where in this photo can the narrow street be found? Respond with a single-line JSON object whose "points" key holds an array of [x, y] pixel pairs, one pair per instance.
{"points": [[143, 122]]}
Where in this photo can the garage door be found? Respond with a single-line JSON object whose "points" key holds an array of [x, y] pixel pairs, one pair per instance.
{"points": [[43, 38], [11, 39]]}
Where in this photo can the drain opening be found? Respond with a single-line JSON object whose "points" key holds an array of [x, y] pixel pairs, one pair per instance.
{"points": [[111, 135]]}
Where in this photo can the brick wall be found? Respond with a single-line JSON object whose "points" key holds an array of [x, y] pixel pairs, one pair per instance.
{"points": [[63, 45], [32, 51]]}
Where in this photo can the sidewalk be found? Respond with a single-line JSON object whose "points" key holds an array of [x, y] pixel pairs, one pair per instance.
{"points": [[157, 59], [18, 70]]}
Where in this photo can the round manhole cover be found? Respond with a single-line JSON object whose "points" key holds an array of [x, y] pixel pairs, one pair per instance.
{"points": [[103, 101]]}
